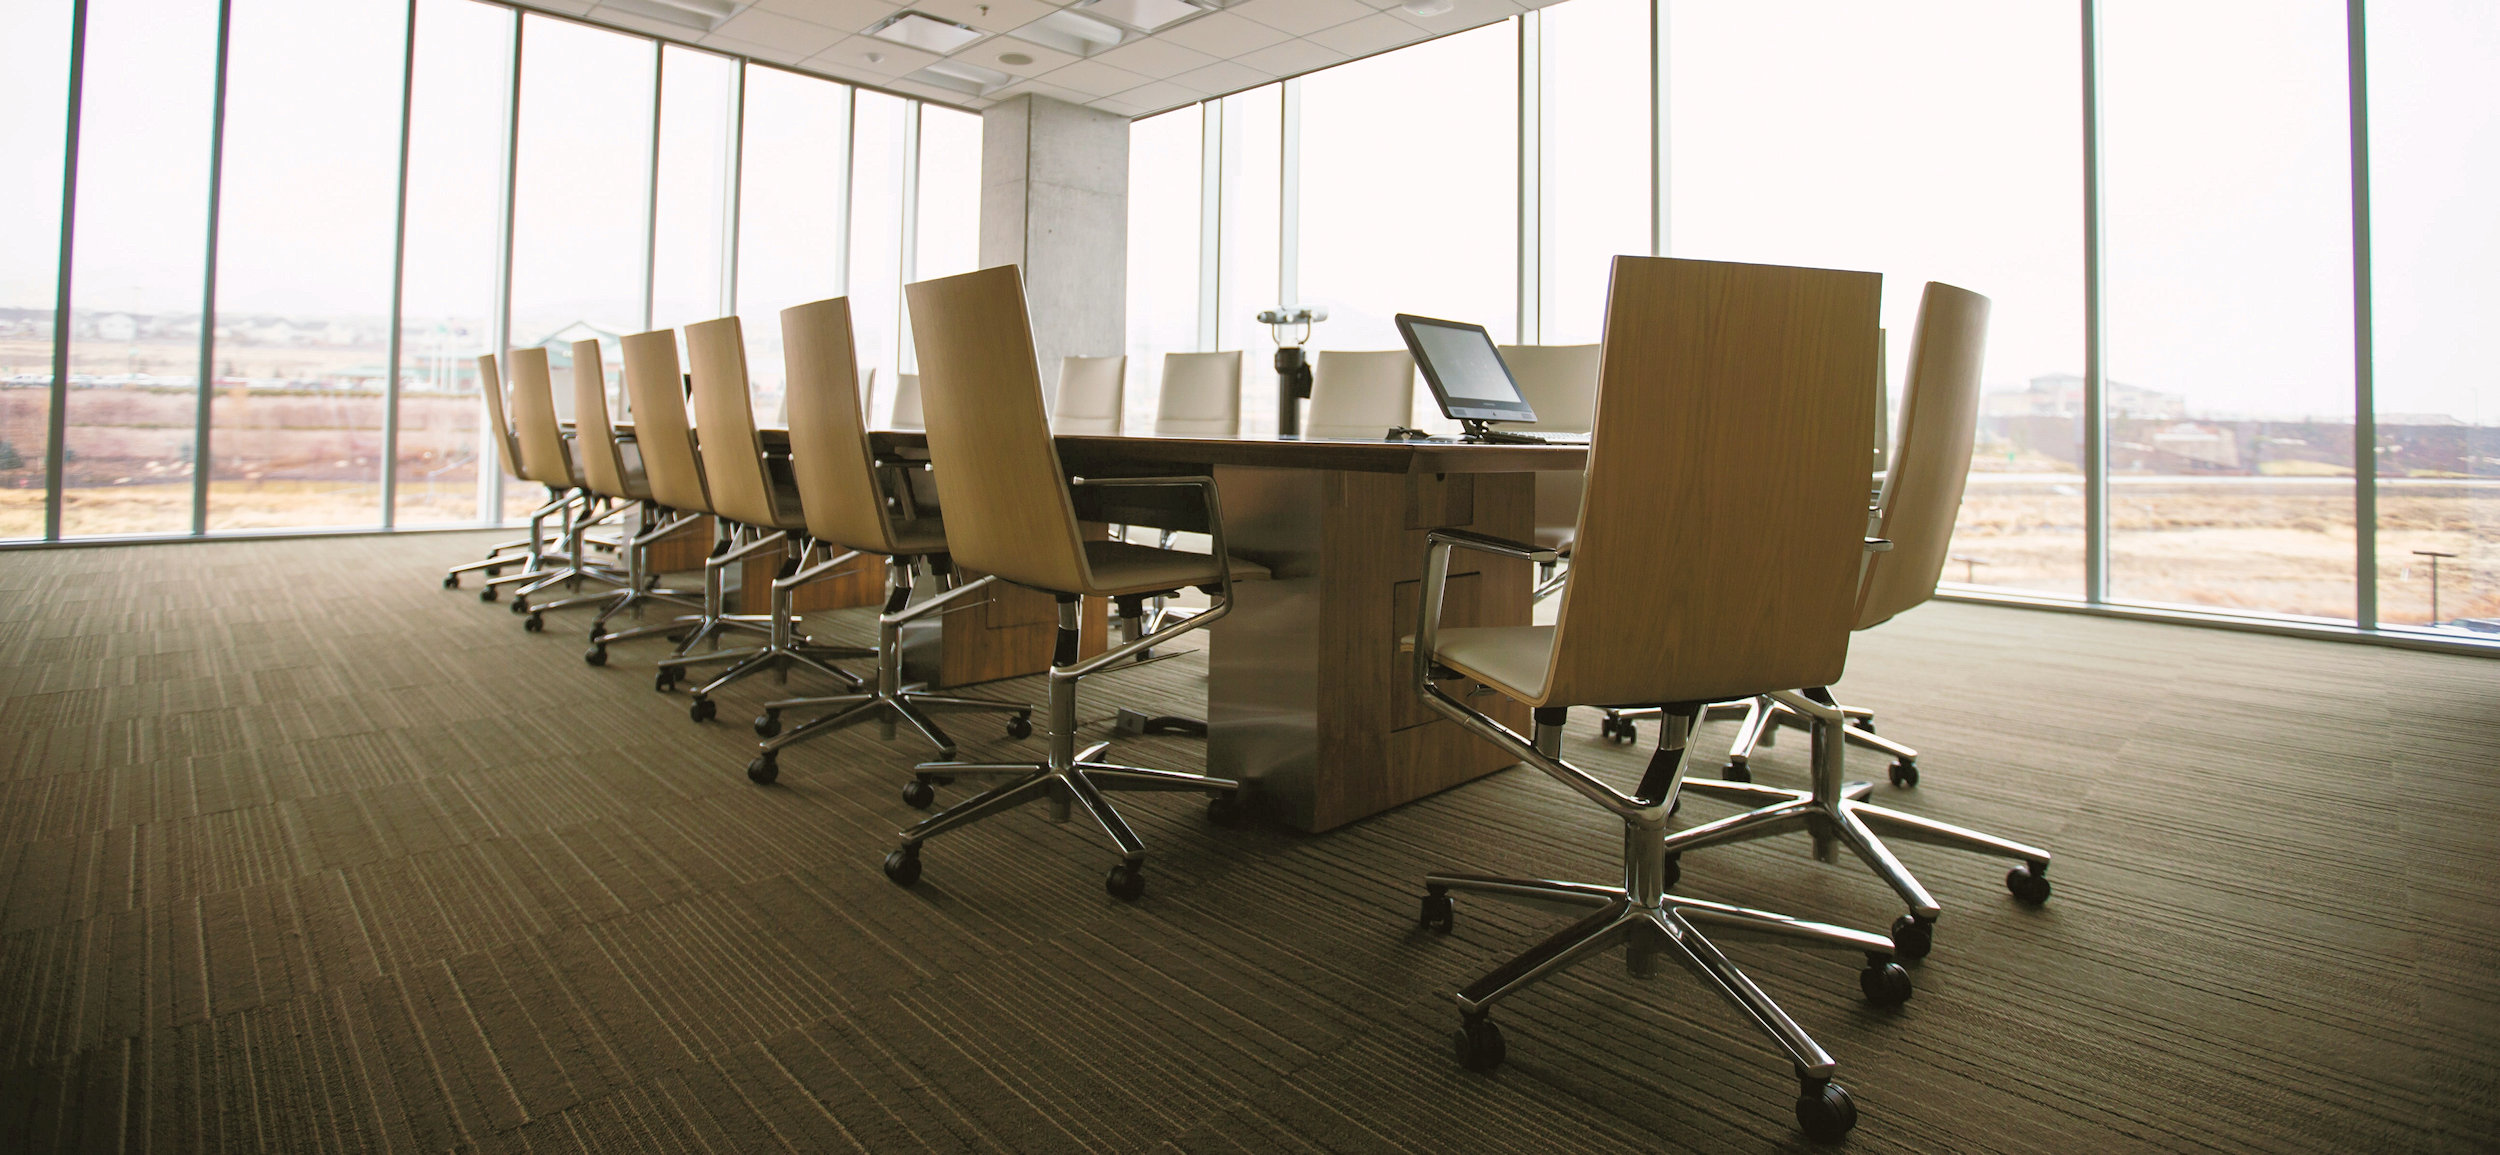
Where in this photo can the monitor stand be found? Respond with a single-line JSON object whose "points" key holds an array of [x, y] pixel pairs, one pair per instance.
{"points": [[1483, 433]]}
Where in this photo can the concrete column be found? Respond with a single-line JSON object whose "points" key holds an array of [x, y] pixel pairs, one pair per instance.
{"points": [[1054, 200]]}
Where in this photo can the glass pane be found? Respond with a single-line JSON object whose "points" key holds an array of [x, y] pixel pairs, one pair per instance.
{"points": [[876, 282], [698, 111], [1931, 142], [1379, 235], [304, 264], [578, 218], [2435, 249], [458, 115], [946, 225], [1597, 146], [1253, 131], [2227, 199], [142, 233], [790, 194], [1164, 167], [34, 95]]}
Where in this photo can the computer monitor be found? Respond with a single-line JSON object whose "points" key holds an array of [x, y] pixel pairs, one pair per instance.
{"points": [[1465, 371]]}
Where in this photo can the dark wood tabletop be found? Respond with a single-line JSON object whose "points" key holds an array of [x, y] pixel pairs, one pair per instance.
{"points": [[1079, 451]]}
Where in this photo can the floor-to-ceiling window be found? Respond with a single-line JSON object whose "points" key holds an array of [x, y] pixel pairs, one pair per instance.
{"points": [[1595, 184], [1165, 167], [1940, 142], [2226, 192], [458, 115], [880, 154], [34, 110], [689, 233], [1250, 198], [304, 253], [138, 265], [946, 221], [2434, 137], [793, 192]]}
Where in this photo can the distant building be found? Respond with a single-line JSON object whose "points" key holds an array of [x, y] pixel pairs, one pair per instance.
{"points": [[2061, 395]]}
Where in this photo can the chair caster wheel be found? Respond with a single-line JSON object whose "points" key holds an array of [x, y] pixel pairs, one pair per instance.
{"points": [[768, 723], [2030, 884], [1020, 726], [536, 624], [1479, 1044], [903, 866], [1883, 982], [1824, 1111], [1673, 873], [665, 680], [451, 581], [1866, 724], [1126, 881], [1440, 913], [487, 594], [918, 794], [1623, 730], [596, 656], [1224, 810], [702, 710], [1737, 772], [765, 768], [494, 571], [520, 605], [1905, 773], [1913, 937]]}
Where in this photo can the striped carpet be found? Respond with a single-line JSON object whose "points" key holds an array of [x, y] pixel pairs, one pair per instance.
{"points": [[303, 853]]}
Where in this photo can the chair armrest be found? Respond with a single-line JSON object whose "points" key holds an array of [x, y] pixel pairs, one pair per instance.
{"points": [[1487, 543], [1206, 490]]}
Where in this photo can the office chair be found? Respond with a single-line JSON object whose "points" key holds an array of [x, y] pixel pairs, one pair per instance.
{"points": [[613, 473], [848, 506], [547, 457], [906, 414], [752, 492], [529, 552], [1360, 394], [1008, 513], [1560, 383], [1726, 393], [1201, 395], [674, 468], [1091, 391], [1921, 494]]}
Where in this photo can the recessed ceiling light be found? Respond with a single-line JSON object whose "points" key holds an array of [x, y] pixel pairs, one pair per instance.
{"points": [[701, 15], [925, 32], [1427, 7], [1072, 32], [1144, 15], [971, 79]]}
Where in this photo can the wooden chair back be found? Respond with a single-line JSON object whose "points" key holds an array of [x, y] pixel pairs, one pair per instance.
{"points": [[594, 432], [998, 476], [1201, 395], [1720, 540], [1360, 394], [835, 469], [490, 386], [1922, 491], [1091, 392], [661, 435], [544, 458], [724, 415]]}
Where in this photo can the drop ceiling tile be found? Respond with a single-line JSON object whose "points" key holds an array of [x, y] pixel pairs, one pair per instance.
{"points": [[1094, 78], [637, 22], [768, 53], [851, 56], [1463, 15], [797, 39], [1300, 17], [567, 7], [846, 15], [1377, 32], [988, 15], [1223, 35], [933, 92], [1222, 78], [1156, 57], [1292, 58], [987, 53], [1121, 106], [1039, 88], [1158, 96]]}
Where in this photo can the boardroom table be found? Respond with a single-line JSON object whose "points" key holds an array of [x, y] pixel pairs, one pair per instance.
{"points": [[1309, 698]]}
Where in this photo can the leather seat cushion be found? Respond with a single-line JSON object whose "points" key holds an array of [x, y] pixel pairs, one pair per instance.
{"points": [[920, 538], [1511, 659], [1121, 568]]}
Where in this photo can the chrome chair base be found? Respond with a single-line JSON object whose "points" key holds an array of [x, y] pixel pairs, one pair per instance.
{"points": [[784, 649], [1835, 814], [891, 700], [1647, 922], [1069, 777], [1762, 717], [529, 553]]}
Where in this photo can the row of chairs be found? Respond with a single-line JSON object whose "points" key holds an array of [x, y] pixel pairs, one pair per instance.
{"points": [[1729, 419]]}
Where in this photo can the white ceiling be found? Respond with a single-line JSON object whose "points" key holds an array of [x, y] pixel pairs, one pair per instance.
{"points": [[1246, 44]]}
